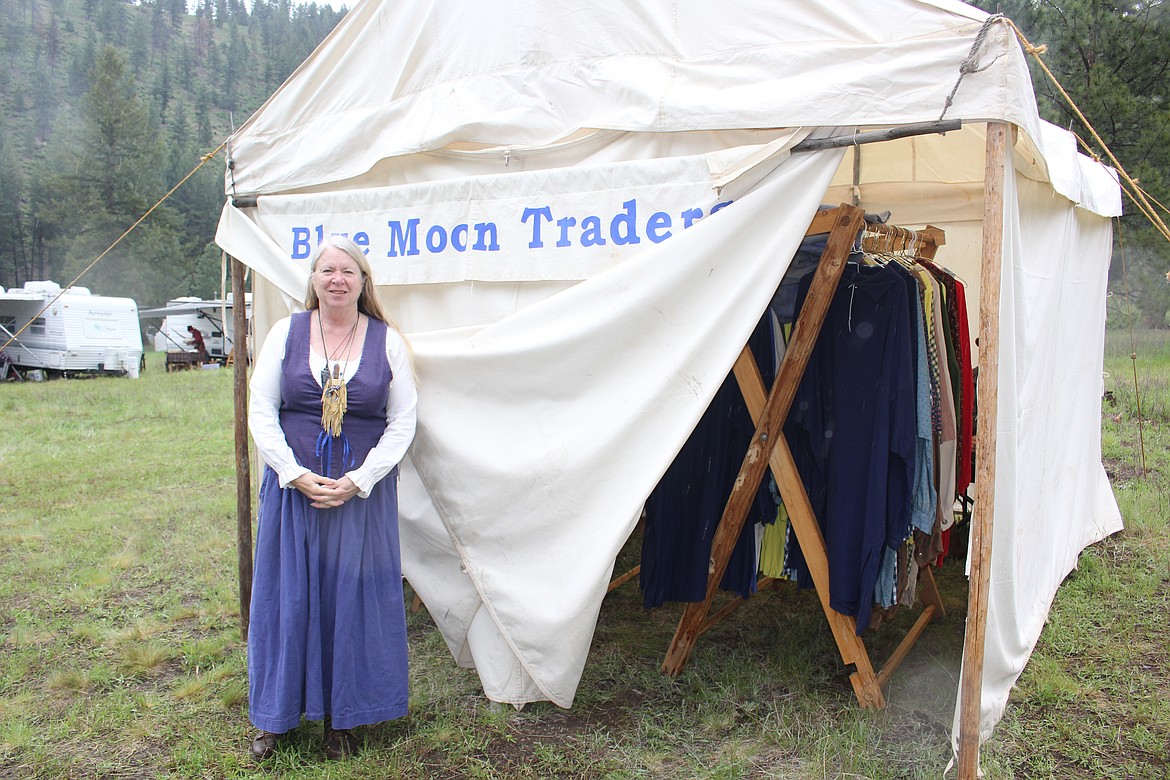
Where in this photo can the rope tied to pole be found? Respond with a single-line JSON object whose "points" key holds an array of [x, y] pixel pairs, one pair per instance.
{"points": [[1130, 185], [1132, 188], [971, 63], [202, 161]]}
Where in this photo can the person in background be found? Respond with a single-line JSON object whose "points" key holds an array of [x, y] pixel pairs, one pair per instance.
{"points": [[196, 341], [332, 413]]}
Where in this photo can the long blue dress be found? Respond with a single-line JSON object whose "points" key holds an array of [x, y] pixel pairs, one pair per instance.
{"points": [[853, 431], [327, 630]]}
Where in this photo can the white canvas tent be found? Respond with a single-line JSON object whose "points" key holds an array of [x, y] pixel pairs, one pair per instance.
{"points": [[578, 211]]}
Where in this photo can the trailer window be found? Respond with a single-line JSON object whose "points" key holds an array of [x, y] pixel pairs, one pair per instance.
{"points": [[38, 327], [8, 323]]}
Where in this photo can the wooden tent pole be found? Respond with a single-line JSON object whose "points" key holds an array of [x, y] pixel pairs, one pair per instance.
{"points": [[243, 464], [982, 523]]}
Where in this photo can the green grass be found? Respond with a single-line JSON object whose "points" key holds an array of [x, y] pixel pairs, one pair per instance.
{"points": [[121, 657]]}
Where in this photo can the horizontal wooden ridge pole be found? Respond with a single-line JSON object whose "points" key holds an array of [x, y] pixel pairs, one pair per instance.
{"points": [[874, 136]]}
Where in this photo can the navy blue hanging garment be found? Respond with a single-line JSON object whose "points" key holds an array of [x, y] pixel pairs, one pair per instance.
{"points": [[852, 432], [685, 508]]}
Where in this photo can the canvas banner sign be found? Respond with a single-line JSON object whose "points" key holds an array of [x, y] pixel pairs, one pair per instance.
{"points": [[565, 224]]}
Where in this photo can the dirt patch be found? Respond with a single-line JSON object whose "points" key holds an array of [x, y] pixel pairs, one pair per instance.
{"points": [[1122, 471], [536, 742], [542, 742]]}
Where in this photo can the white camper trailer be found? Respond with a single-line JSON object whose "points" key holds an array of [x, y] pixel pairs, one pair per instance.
{"points": [[79, 333], [213, 318]]}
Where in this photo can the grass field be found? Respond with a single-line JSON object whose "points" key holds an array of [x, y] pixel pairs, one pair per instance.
{"points": [[120, 650]]}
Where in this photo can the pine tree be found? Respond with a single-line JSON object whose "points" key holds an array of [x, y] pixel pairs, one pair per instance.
{"points": [[114, 178], [120, 148], [14, 267]]}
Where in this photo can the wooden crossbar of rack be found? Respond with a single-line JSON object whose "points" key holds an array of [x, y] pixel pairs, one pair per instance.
{"points": [[768, 447]]}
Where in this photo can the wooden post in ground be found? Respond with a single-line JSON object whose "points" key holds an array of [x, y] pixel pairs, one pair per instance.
{"points": [[970, 690], [243, 464]]}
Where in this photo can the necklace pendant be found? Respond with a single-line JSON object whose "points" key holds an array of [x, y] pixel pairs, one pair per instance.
{"points": [[325, 375]]}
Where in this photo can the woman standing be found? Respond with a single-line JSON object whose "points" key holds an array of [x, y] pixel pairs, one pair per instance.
{"points": [[332, 413]]}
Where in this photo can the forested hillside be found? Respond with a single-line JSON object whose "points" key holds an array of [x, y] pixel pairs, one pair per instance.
{"points": [[105, 105]]}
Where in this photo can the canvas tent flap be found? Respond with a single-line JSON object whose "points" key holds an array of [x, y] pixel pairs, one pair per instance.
{"points": [[242, 238], [532, 73], [1052, 497], [555, 424], [1089, 185]]}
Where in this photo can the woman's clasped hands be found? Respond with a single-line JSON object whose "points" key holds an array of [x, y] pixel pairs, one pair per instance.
{"points": [[323, 492]]}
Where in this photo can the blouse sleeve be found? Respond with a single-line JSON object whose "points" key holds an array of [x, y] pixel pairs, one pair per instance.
{"points": [[401, 403], [264, 407]]}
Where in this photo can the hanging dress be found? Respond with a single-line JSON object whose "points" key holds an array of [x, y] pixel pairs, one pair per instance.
{"points": [[685, 508], [852, 430], [327, 630]]}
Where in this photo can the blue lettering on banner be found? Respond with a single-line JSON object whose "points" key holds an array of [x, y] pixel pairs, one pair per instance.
{"points": [[658, 227], [459, 238], [564, 223], [589, 230], [302, 248], [623, 229], [403, 242], [300, 243], [487, 237], [436, 239], [535, 215]]}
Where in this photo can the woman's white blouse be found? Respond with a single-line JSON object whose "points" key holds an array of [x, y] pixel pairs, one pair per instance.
{"points": [[264, 410]]}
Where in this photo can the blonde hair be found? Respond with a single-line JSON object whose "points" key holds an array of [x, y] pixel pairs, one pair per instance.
{"points": [[368, 302]]}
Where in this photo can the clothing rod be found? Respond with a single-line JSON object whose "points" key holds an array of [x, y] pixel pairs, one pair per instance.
{"points": [[874, 136], [879, 238], [881, 231]]}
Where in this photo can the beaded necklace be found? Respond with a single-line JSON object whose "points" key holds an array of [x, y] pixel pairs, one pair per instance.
{"points": [[333, 393]]}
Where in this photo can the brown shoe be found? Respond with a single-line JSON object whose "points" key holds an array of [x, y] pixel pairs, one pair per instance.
{"points": [[339, 743], [264, 745]]}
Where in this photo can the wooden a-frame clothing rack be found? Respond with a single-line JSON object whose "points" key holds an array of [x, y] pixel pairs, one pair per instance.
{"points": [[770, 448]]}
